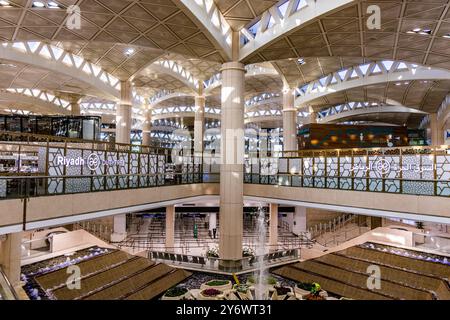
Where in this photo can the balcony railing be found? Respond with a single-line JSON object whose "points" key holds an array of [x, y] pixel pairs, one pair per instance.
{"points": [[63, 167]]}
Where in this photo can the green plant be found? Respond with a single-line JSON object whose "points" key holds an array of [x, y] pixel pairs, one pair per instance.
{"points": [[242, 288], [217, 283], [315, 290], [269, 280], [175, 292], [212, 253], [307, 286]]}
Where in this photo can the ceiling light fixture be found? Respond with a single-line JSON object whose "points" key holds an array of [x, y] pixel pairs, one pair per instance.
{"points": [[301, 61], [129, 52], [38, 4], [5, 3], [425, 31]]}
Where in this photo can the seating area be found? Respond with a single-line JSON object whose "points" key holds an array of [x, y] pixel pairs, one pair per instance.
{"points": [[111, 275], [345, 274]]}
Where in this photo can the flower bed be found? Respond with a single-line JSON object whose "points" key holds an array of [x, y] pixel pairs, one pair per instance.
{"points": [[210, 294], [221, 285], [305, 289], [177, 293]]}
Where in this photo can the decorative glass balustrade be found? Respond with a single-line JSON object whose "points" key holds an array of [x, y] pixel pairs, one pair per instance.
{"points": [[408, 170], [41, 168]]}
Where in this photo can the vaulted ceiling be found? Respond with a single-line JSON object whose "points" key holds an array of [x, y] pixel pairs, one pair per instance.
{"points": [[127, 38]]}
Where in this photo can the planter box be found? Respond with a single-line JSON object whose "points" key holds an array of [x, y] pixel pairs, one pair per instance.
{"points": [[183, 296], [275, 295], [218, 297], [222, 288], [304, 293], [300, 292]]}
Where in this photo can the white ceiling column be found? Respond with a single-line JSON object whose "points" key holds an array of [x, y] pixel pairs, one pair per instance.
{"points": [[147, 125], [289, 121], [199, 123], [231, 168], [123, 113], [74, 100]]}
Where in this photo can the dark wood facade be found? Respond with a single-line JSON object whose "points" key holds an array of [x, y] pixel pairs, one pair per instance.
{"points": [[333, 136]]}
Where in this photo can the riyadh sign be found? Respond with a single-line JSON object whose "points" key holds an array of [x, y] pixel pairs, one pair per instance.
{"points": [[93, 162]]}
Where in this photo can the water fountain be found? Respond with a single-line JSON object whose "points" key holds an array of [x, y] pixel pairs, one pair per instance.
{"points": [[261, 273]]}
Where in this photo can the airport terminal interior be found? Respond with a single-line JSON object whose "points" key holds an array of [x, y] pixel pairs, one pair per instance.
{"points": [[225, 150]]}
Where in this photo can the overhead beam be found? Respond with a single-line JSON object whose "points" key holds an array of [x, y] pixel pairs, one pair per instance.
{"points": [[366, 75], [210, 20], [51, 58], [298, 14]]}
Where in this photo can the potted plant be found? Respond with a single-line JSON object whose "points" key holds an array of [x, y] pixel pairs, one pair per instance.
{"points": [[176, 293], [221, 285], [248, 252], [210, 294], [212, 254], [315, 294], [243, 291]]}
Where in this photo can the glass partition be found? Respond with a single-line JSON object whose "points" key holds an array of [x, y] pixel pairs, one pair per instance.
{"points": [[75, 127]]}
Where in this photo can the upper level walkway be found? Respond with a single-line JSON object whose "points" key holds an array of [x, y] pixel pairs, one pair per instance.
{"points": [[68, 181]]}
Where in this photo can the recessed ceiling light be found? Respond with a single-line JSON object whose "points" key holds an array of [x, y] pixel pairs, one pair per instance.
{"points": [[38, 4], [8, 65], [4, 3], [426, 31], [301, 61], [53, 5], [129, 52]]}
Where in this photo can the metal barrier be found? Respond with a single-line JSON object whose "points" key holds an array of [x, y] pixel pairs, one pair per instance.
{"points": [[212, 264]]}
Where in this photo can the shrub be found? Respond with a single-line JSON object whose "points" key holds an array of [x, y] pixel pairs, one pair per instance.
{"points": [[217, 283], [175, 292]]}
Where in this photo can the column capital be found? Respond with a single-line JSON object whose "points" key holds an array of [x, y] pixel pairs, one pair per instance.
{"points": [[233, 66]]}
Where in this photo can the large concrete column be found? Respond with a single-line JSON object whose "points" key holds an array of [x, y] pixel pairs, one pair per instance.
{"points": [[123, 114], [123, 132], [299, 220], [170, 228], [10, 256], [212, 221], [199, 123], [312, 118], [147, 127], [273, 227], [231, 168], [436, 132], [74, 100], [289, 121], [119, 228]]}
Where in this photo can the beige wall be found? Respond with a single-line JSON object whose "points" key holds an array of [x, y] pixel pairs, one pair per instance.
{"points": [[423, 205], [46, 208]]}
